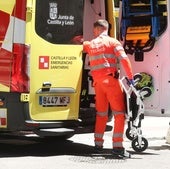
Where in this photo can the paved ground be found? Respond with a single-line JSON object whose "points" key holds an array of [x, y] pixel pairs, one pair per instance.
{"points": [[155, 156], [77, 152]]}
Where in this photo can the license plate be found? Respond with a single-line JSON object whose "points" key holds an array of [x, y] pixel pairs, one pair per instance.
{"points": [[54, 100]]}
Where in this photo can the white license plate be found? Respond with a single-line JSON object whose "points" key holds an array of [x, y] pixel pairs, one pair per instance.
{"points": [[54, 100]]}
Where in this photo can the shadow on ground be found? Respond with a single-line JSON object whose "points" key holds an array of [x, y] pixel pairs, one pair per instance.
{"points": [[19, 146], [160, 147]]}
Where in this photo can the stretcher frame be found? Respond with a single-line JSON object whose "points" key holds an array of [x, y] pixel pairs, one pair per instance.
{"points": [[134, 131]]}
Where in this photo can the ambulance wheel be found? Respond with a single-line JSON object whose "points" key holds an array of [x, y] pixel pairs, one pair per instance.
{"points": [[139, 147], [129, 134], [146, 91]]}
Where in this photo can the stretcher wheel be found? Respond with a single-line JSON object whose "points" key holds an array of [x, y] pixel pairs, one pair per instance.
{"points": [[137, 77], [129, 134], [139, 147], [146, 92]]}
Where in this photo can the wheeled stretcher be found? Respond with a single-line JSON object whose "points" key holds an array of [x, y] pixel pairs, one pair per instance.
{"points": [[134, 116]]}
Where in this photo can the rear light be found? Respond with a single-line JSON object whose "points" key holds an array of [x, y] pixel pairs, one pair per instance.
{"points": [[1, 103], [3, 121], [3, 118], [20, 69], [32, 124]]}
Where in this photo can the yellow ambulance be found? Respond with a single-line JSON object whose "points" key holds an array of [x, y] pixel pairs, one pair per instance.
{"points": [[41, 63]]}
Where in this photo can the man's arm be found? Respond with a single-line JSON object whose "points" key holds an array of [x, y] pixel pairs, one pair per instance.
{"points": [[124, 60], [86, 46]]}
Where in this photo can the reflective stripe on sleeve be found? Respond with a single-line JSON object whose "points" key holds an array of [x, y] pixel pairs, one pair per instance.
{"points": [[118, 48], [122, 56]]}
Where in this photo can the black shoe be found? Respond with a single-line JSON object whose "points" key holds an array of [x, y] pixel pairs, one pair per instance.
{"points": [[98, 149], [120, 153]]}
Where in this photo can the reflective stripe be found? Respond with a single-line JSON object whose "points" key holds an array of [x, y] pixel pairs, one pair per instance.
{"points": [[117, 139], [118, 48], [116, 113], [119, 51], [98, 139], [102, 114], [117, 135], [99, 143], [98, 135], [8, 40], [102, 61], [101, 66], [106, 56], [19, 31], [117, 144], [123, 56]]}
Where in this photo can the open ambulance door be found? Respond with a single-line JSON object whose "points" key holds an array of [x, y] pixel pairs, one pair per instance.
{"points": [[6, 43], [93, 10], [55, 61]]}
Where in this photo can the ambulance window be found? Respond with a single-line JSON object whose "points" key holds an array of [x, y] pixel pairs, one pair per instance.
{"points": [[59, 21]]}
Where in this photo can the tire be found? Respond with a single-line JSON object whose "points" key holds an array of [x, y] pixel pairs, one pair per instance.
{"points": [[137, 77], [147, 91], [129, 135], [137, 147]]}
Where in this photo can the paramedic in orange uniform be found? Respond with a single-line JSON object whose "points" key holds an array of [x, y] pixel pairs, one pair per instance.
{"points": [[103, 52]]}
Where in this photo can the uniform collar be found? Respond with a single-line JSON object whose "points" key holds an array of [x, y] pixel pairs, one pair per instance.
{"points": [[104, 34]]}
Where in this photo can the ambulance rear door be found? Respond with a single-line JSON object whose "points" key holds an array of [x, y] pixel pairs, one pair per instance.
{"points": [[53, 33], [6, 43]]}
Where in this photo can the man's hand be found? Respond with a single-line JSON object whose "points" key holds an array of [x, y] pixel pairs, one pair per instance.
{"points": [[131, 82]]}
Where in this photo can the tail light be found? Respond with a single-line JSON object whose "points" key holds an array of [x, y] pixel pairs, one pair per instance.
{"points": [[20, 69]]}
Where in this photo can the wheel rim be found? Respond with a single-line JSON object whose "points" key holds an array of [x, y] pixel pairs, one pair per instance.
{"points": [[139, 147]]}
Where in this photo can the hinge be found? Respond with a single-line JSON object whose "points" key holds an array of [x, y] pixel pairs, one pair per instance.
{"points": [[30, 6], [24, 97]]}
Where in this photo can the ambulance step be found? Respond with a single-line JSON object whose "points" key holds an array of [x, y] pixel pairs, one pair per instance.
{"points": [[64, 132]]}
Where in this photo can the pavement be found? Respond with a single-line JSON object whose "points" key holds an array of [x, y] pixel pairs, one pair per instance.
{"points": [[78, 151], [154, 129]]}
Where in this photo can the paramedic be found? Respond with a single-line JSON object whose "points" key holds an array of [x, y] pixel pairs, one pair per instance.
{"points": [[103, 51]]}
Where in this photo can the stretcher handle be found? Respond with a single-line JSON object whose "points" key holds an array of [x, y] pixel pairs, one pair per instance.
{"points": [[128, 82], [132, 87]]}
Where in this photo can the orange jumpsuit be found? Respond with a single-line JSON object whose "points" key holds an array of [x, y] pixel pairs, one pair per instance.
{"points": [[104, 52]]}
